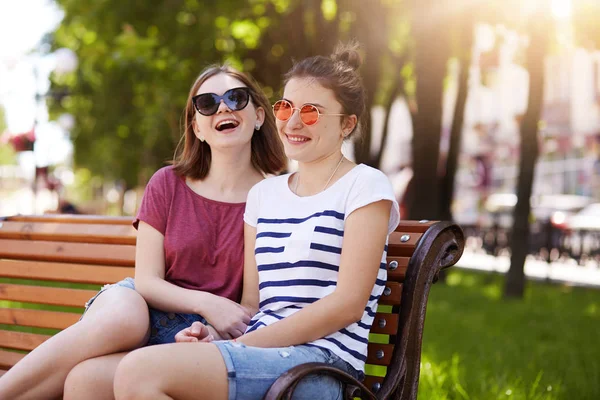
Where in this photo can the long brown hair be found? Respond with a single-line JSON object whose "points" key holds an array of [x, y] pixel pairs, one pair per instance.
{"points": [[193, 157]]}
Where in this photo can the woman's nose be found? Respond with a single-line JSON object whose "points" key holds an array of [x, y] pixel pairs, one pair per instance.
{"points": [[295, 120], [223, 107]]}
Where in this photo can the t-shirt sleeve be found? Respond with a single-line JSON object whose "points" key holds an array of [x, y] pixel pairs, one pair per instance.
{"points": [[370, 187], [252, 204], [155, 207]]}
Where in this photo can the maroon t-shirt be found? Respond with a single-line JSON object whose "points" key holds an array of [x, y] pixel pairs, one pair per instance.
{"points": [[203, 238]]}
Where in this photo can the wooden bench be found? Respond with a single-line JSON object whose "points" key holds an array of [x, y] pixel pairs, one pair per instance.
{"points": [[58, 250]]}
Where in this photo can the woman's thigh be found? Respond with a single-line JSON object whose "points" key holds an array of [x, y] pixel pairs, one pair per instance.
{"points": [[127, 306], [180, 370], [252, 370], [119, 313], [220, 370]]}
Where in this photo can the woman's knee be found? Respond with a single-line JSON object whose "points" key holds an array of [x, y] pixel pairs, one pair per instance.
{"points": [[84, 381], [131, 378], [119, 313]]}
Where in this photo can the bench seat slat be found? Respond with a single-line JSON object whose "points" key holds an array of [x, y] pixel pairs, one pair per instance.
{"points": [[21, 340], [45, 295], [63, 272], [62, 232], [379, 354], [37, 318], [8, 359], [114, 254]]}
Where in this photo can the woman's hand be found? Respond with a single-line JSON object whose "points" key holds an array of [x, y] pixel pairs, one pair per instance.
{"points": [[197, 332], [228, 317]]}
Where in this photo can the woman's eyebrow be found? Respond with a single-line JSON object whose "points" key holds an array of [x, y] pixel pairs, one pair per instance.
{"points": [[313, 104]]}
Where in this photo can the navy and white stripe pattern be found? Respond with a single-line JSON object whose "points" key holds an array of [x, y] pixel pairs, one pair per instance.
{"points": [[298, 249]]}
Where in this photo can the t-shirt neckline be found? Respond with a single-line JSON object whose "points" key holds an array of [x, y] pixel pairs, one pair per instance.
{"points": [[203, 198], [342, 178]]}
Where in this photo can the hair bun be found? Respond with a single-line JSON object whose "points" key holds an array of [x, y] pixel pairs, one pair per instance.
{"points": [[348, 54]]}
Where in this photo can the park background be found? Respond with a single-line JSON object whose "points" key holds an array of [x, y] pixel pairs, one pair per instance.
{"points": [[482, 112]]}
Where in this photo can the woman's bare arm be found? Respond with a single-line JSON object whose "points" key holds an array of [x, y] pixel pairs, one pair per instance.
{"points": [[228, 317], [365, 235]]}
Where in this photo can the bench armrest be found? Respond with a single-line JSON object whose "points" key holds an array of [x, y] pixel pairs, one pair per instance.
{"points": [[284, 386]]}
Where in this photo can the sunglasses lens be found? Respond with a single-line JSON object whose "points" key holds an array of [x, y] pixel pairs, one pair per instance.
{"points": [[206, 104], [309, 114], [282, 110], [236, 99]]}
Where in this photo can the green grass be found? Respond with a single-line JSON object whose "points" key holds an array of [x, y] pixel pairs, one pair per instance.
{"points": [[477, 345]]}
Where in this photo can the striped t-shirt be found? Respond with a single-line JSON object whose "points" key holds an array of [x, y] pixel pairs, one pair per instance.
{"points": [[298, 250]]}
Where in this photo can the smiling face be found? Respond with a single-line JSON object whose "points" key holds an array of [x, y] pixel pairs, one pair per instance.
{"points": [[226, 128], [315, 142]]}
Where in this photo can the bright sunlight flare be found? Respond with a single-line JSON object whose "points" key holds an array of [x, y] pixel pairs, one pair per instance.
{"points": [[561, 8]]}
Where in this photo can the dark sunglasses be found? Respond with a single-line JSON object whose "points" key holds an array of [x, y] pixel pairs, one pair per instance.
{"points": [[309, 113], [208, 103]]}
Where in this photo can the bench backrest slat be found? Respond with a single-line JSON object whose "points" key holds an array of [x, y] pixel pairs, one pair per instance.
{"points": [[88, 253], [402, 244], [21, 340], [63, 272], [73, 219], [37, 318], [45, 295], [8, 359], [68, 232], [397, 268]]}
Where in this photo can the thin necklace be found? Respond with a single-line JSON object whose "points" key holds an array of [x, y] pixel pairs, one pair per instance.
{"points": [[328, 180]]}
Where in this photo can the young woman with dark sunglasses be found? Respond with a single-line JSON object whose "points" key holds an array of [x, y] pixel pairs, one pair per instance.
{"points": [[189, 252], [315, 259]]}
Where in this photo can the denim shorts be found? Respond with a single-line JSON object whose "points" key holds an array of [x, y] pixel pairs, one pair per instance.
{"points": [[163, 325], [252, 370]]}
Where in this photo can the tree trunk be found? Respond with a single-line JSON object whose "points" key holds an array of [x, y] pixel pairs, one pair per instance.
{"points": [[430, 68], [515, 278], [447, 181], [397, 89], [373, 39]]}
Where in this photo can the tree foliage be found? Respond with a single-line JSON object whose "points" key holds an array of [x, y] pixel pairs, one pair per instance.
{"points": [[137, 62]]}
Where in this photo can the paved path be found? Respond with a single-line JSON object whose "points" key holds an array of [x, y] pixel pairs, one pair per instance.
{"points": [[565, 272]]}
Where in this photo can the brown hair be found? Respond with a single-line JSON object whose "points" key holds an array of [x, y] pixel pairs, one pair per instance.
{"points": [[192, 157], [339, 73]]}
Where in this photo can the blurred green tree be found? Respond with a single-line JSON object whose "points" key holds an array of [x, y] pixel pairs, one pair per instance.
{"points": [[137, 62]]}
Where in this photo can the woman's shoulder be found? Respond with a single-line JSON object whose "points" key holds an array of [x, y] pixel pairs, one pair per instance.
{"points": [[370, 172], [365, 176], [272, 182], [166, 173], [164, 178]]}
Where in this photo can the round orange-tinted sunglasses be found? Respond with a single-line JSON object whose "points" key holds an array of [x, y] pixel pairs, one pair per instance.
{"points": [[309, 113]]}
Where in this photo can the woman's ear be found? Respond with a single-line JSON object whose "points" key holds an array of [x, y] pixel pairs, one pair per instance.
{"points": [[260, 116], [348, 124]]}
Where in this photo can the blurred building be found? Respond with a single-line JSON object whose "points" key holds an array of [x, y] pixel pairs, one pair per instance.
{"points": [[569, 159]]}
